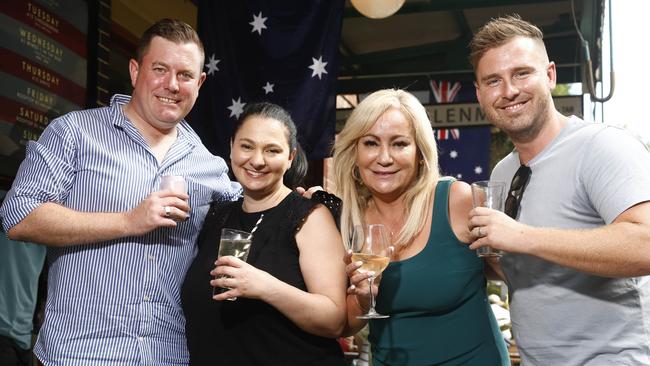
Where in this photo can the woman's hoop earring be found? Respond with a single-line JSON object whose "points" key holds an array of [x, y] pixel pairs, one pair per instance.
{"points": [[356, 175], [421, 168]]}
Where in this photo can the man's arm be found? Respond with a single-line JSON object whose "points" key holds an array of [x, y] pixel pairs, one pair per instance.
{"points": [[620, 249], [55, 225]]}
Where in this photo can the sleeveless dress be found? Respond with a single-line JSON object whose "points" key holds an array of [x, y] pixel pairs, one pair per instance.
{"points": [[247, 331], [437, 302]]}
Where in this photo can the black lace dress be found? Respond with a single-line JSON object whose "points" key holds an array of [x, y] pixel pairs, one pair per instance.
{"points": [[246, 331]]}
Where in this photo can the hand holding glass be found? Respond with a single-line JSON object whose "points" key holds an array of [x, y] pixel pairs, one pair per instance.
{"points": [[236, 243], [174, 183], [370, 246], [488, 194]]}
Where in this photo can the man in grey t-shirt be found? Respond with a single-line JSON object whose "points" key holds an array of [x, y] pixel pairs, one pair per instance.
{"points": [[577, 229]]}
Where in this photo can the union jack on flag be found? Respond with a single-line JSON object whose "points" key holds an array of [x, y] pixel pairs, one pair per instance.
{"points": [[447, 133], [444, 91]]}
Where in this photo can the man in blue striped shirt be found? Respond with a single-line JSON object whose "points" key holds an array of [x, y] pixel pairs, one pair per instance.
{"points": [[118, 246]]}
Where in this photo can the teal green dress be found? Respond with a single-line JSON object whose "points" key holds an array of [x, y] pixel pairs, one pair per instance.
{"points": [[437, 302]]}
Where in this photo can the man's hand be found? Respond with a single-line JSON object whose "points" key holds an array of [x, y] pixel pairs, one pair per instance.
{"points": [[496, 229], [160, 209]]}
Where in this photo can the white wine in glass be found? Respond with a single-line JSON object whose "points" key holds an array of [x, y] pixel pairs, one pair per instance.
{"points": [[370, 246], [236, 243], [371, 262]]}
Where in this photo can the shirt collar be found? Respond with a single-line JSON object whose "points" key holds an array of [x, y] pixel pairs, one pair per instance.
{"points": [[118, 101]]}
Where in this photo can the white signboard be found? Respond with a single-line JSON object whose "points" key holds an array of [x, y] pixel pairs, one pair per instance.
{"points": [[470, 114]]}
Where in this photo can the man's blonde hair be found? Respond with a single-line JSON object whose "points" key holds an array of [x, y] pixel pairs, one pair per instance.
{"points": [[499, 31], [354, 193]]}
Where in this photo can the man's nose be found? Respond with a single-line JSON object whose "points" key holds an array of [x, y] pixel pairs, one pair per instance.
{"points": [[511, 89], [172, 83]]}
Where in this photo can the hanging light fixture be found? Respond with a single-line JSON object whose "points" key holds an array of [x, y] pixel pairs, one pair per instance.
{"points": [[377, 9]]}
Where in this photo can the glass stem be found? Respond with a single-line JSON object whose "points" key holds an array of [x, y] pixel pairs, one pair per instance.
{"points": [[372, 296]]}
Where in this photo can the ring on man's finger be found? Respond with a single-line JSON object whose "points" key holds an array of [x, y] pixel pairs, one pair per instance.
{"points": [[168, 211]]}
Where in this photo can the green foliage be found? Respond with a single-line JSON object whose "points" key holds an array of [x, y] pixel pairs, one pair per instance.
{"points": [[500, 146], [561, 90]]}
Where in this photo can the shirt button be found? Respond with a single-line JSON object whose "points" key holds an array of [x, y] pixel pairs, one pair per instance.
{"points": [[146, 298], [140, 339], [151, 257]]}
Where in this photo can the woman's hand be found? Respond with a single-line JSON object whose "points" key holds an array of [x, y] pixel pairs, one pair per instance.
{"points": [[242, 279], [359, 281]]}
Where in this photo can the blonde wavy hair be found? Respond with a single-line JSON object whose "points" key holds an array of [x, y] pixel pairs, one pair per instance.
{"points": [[354, 193]]}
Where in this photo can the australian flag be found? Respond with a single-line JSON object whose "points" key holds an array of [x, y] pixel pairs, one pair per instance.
{"points": [[463, 153], [282, 51]]}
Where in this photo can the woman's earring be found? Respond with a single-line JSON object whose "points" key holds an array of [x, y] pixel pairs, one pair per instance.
{"points": [[356, 175], [421, 167]]}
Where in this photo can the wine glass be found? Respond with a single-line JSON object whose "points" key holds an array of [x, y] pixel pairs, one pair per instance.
{"points": [[370, 246]]}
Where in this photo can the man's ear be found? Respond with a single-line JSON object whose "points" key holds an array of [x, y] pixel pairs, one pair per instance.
{"points": [[202, 79], [134, 69], [551, 73]]}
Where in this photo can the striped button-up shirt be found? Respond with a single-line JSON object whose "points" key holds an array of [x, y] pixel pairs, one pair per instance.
{"points": [[115, 302]]}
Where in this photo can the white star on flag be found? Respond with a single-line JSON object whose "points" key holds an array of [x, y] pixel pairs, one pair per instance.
{"points": [[268, 88], [478, 170], [258, 23], [319, 67], [459, 176], [212, 65], [453, 154], [236, 108]]}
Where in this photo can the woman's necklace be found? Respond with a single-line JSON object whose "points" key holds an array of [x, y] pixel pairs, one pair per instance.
{"points": [[381, 219], [391, 229]]}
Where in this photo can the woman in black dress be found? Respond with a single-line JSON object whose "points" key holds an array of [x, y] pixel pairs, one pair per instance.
{"points": [[290, 293]]}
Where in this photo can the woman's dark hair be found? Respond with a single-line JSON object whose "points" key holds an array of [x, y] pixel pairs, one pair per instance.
{"points": [[295, 175]]}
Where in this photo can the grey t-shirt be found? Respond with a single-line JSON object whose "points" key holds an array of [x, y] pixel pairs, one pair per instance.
{"points": [[587, 176]]}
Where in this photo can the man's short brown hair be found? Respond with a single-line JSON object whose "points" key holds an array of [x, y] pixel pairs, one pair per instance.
{"points": [[499, 31], [171, 30]]}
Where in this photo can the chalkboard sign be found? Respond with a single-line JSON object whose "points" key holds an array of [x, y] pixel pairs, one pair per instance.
{"points": [[43, 70]]}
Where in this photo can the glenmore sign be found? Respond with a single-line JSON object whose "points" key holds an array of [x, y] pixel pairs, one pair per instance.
{"points": [[470, 114]]}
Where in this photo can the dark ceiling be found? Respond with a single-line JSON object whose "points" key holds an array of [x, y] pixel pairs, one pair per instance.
{"points": [[427, 39]]}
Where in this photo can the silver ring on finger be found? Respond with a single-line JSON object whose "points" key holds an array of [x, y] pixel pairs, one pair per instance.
{"points": [[480, 232], [168, 211]]}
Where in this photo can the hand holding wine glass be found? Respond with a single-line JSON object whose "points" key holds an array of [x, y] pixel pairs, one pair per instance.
{"points": [[370, 246]]}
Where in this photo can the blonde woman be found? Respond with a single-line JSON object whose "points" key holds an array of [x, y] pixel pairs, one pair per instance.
{"points": [[386, 169]]}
